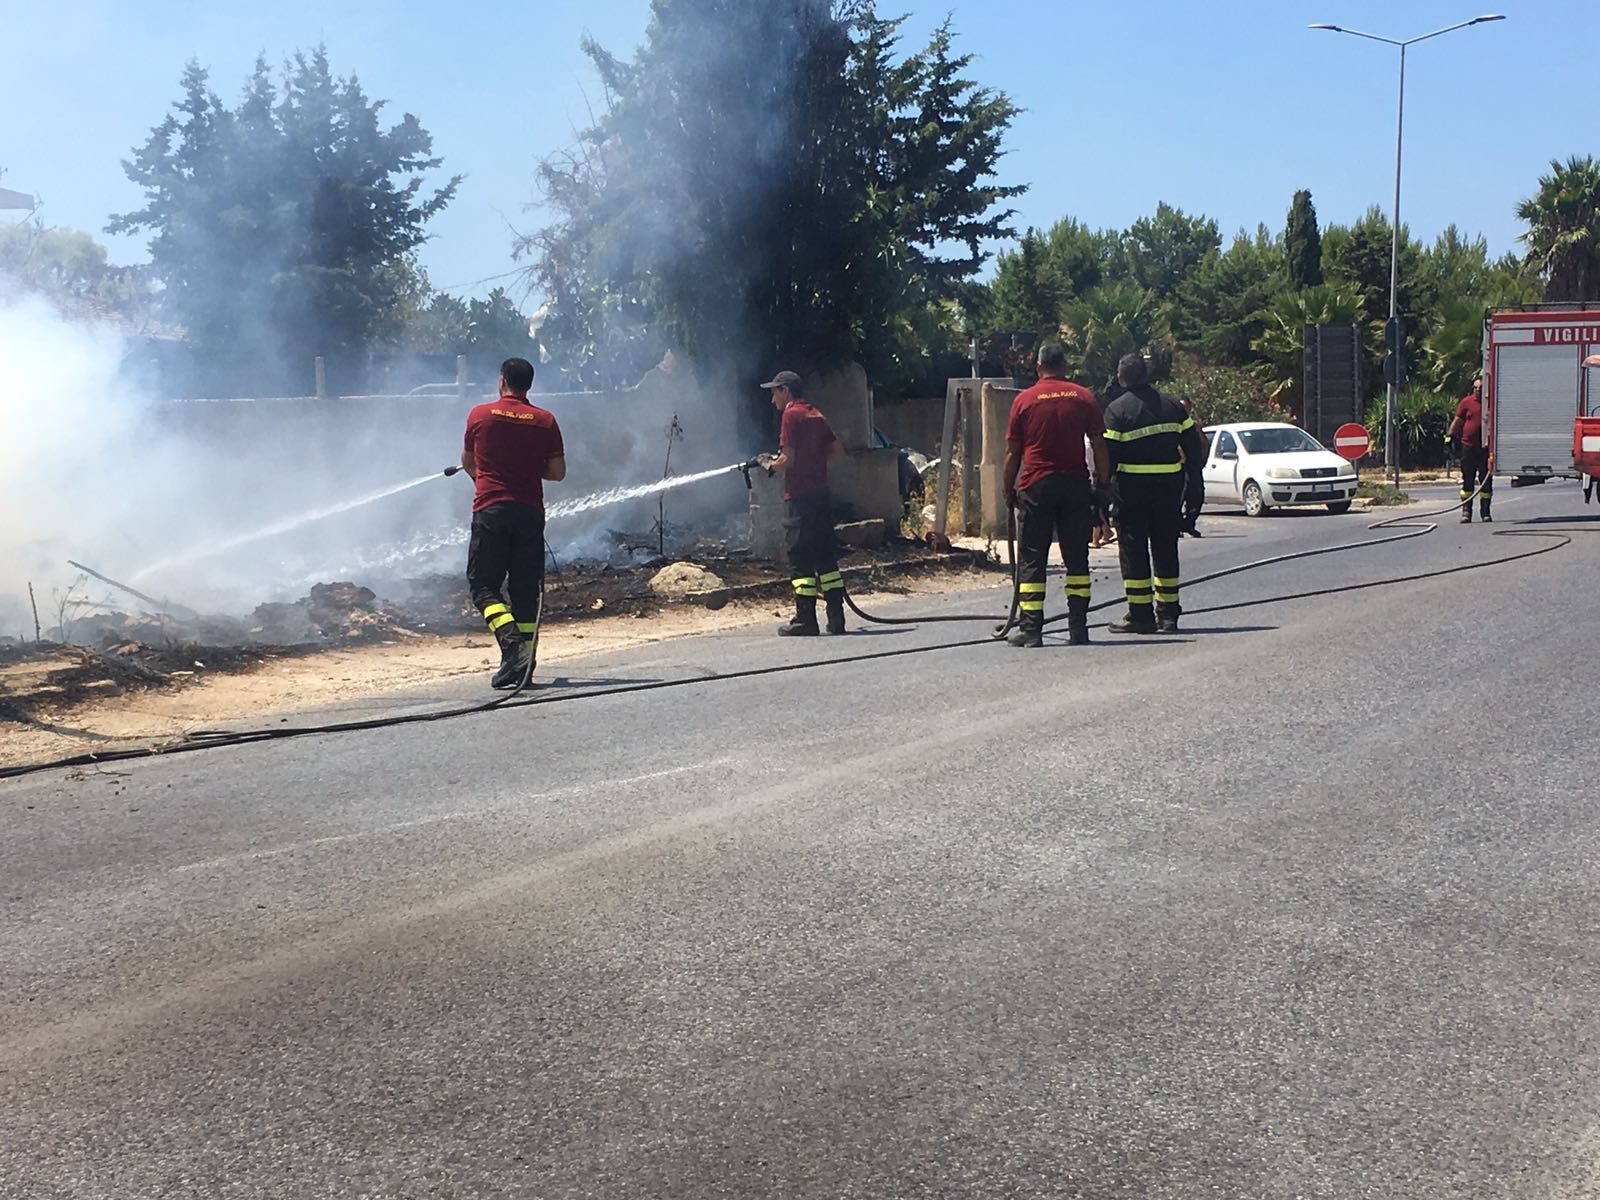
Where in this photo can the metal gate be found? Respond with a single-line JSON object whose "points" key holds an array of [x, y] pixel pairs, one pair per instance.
{"points": [[1535, 404]]}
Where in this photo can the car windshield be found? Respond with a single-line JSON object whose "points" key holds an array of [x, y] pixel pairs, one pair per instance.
{"points": [[1282, 439]]}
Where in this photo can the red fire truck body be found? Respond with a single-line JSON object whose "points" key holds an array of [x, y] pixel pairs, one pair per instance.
{"points": [[1541, 388]]}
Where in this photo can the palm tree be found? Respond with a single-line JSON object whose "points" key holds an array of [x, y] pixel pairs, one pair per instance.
{"points": [[1282, 344], [1563, 235], [1454, 350], [1111, 320]]}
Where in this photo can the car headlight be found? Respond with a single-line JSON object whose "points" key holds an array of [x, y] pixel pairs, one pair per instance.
{"points": [[1282, 473]]}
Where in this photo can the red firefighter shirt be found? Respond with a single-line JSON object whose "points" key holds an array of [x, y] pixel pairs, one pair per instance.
{"points": [[805, 436], [1470, 413], [511, 442], [1051, 419]]}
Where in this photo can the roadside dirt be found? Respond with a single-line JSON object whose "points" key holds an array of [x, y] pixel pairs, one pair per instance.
{"points": [[70, 700]]}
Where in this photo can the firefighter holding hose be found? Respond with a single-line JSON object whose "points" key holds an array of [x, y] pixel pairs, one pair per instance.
{"points": [[512, 447], [806, 444], [1468, 427], [1159, 459], [1047, 483]]}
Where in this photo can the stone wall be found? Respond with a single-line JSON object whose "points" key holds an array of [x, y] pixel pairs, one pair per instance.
{"points": [[325, 450], [862, 485], [917, 423]]}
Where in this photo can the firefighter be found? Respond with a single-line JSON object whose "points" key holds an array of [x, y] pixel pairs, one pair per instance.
{"points": [[806, 444], [512, 447], [1468, 427], [1047, 482], [1158, 459]]}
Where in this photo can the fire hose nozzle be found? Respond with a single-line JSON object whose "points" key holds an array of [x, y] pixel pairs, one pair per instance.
{"points": [[449, 471]]}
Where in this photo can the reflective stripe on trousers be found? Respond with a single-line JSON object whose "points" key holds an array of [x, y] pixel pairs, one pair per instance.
{"points": [[1030, 597], [497, 616], [805, 586]]}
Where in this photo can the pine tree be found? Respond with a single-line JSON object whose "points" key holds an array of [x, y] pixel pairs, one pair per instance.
{"points": [[282, 228], [774, 182]]}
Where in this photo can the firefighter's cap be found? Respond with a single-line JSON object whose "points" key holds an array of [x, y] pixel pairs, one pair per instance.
{"points": [[784, 379]]}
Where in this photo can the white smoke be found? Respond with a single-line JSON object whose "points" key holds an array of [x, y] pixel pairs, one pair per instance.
{"points": [[222, 505], [72, 473]]}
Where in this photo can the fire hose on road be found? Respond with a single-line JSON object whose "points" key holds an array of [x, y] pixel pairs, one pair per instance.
{"points": [[1412, 524]]}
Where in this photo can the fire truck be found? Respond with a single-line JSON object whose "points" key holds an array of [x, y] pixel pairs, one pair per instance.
{"points": [[1541, 391]]}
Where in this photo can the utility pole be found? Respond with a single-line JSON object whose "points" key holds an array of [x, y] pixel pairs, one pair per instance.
{"points": [[1394, 330]]}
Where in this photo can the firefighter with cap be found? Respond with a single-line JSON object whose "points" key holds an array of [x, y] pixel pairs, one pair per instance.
{"points": [[806, 444], [1475, 465], [1047, 483], [1157, 458], [512, 447]]}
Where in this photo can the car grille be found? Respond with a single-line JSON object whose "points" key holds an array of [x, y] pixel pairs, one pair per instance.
{"points": [[1318, 472]]}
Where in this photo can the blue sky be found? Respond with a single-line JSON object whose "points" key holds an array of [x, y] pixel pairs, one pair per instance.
{"points": [[1223, 107]]}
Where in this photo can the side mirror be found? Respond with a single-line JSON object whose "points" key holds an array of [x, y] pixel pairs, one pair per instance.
{"points": [[1229, 456]]}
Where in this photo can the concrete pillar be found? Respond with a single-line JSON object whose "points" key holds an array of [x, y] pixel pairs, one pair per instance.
{"points": [[996, 416], [842, 395], [941, 500], [766, 516]]}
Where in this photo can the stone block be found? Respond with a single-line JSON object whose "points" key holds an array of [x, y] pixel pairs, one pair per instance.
{"points": [[863, 535]]}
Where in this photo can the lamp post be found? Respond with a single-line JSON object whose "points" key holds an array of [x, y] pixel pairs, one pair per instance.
{"points": [[1391, 459]]}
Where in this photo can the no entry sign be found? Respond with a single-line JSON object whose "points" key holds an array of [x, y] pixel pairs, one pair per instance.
{"points": [[1351, 441]]}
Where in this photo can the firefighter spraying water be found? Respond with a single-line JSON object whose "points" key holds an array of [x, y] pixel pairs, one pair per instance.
{"points": [[511, 448]]}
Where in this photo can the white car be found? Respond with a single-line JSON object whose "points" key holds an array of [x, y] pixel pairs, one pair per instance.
{"points": [[1262, 466]]}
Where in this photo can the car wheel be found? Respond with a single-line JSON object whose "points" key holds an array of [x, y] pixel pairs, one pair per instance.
{"points": [[1339, 507], [1255, 504]]}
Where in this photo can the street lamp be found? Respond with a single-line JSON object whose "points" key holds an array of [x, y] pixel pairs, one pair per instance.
{"points": [[1390, 458]]}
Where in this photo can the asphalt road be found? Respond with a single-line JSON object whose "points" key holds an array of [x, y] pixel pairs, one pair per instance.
{"points": [[1298, 904]]}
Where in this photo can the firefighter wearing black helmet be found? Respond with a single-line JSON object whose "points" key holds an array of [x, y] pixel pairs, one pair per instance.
{"points": [[1157, 460]]}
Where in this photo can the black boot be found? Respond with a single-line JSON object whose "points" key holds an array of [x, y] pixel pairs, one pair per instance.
{"points": [[1077, 621], [804, 621], [516, 658], [1466, 513], [1483, 510], [834, 600], [1167, 618], [1140, 619], [1029, 632]]}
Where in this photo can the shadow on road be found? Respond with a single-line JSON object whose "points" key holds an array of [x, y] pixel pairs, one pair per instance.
{"points": [[1216, 629]]}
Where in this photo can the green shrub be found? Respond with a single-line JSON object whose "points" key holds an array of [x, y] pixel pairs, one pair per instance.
{"points": [[1381, 494], [1222, 394], [1421, 418]]}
